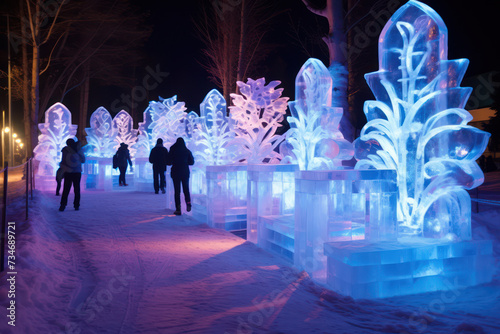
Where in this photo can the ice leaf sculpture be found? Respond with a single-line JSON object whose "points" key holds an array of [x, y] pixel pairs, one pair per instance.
{"points": [[123, 131], [100, 141], [314, 140], [163, 119], [211, 133], [54, 133], [257, 114], [418, 126]]}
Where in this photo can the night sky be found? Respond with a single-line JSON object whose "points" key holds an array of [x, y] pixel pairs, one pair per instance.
{"points": [[174, 47]]}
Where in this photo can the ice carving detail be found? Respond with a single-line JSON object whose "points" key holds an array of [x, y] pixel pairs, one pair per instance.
{"points": [[100, 141], [314, 140], [418, 126], [257, 114], [54, 133]]}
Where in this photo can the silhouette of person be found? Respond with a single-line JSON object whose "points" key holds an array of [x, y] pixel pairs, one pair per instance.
{"points": [[180, 158], [71, 163], [123, 160], [158, 157], [59, 178]]}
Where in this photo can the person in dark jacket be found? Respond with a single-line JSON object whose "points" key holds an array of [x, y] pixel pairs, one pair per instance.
{"points": [[158, 157], [71, 164], [180, 158], [123, 160]]}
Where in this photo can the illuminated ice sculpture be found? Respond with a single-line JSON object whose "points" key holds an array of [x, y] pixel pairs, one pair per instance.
{"points": [[314, 140], [164, 119], [53, 135], [257, 114], [100, 141], [209, 137], [418, 127]]}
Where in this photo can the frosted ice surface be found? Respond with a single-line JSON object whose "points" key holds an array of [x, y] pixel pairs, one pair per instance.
{"points": [[100, 141], [257, 114], [418, 126], [122, 131], [314, 140], [54, 133]]}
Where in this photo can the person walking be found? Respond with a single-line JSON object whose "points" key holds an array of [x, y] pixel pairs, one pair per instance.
{"points": [[158, 157], [123, 160], [180, 158], [71, 163]]}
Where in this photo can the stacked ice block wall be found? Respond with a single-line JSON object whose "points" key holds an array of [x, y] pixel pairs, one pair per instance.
{"points": [[271, 193], [341, 205], [227, 197]]}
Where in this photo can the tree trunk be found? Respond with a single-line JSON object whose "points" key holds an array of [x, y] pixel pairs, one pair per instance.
{"points": [[28, 121], [241, 48], [35, 76], [336, 40]]}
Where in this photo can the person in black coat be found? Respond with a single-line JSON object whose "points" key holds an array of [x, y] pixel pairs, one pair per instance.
{"points": [[158, 157], [123, 160], [180, 158], [71, 164]]}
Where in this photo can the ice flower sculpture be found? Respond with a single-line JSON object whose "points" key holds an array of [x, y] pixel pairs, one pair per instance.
{"points": [[210, 133], [100, 141], [165, 119], [314, 140], [418, 126], [123, 131], [54, 133], [257, 114]]}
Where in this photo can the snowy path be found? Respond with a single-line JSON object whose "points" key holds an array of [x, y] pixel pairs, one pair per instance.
{"points": [[124, 264]]}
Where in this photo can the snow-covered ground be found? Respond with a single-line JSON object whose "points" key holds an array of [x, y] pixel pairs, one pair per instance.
{"points": [[125, 264]]}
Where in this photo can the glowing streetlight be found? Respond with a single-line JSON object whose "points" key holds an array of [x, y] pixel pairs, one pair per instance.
{"points": [[6, 129], [17, 140], [14, 135]]}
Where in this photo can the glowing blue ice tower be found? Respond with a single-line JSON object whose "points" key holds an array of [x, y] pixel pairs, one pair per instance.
{"points": [[209, 136], [99, 150], [418, 127], [53, 135]]}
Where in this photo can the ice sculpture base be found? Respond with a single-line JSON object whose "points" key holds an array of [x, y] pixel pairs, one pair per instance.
{"points": [[341, 205], [143, 175], [271, 192], [98, 173], [227, 197], [362, 269], [276, 235]]}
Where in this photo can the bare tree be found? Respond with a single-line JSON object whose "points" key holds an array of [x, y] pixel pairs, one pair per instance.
{"points": [[227, 26], [65, 44]]}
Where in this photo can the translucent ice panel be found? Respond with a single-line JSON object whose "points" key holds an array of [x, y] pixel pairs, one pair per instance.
{"points": [[100, 141], [53, 135], [418, 126], [210, 133], [257, 114], [122, 131], [164, 119], [314, 140]]}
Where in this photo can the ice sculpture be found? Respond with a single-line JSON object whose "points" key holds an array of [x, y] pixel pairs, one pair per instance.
{"points": [[314, 140], [418, 126], [123, 131], [210, 133], [257, 114], [165, 119], [54, 133], [100, 141]]}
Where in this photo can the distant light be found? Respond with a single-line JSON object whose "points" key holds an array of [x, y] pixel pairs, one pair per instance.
{"points": [[7, 129], [17, 140], [14, 135]]}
